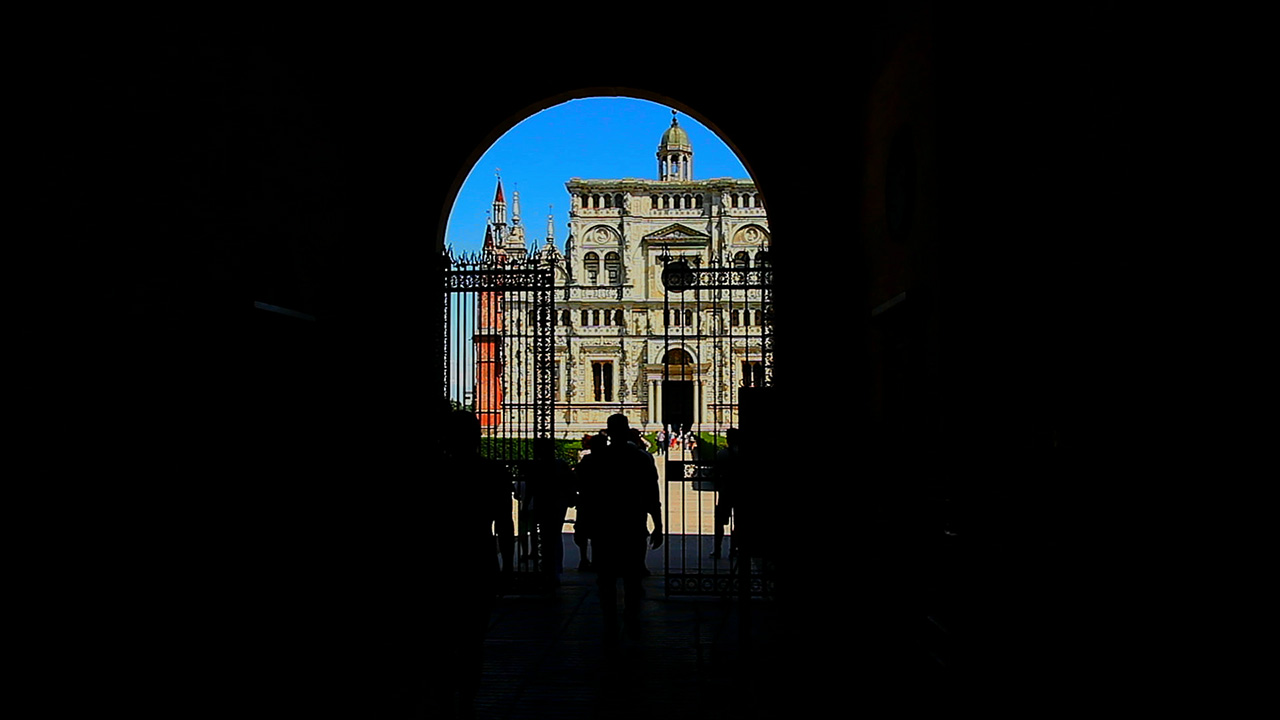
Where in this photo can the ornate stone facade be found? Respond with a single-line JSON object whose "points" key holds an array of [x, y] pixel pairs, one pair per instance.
{"points": [[622, 344]]}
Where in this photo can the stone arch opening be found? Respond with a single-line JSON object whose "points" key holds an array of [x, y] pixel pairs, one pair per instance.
{"points": [[585, 93], [616, 359]]}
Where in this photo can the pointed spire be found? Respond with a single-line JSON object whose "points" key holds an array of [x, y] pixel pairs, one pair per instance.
{"points": [[551, 226], [499, 205]]}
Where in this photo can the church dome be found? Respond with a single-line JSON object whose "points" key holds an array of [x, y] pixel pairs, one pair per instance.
{"points": [[675, 136]]}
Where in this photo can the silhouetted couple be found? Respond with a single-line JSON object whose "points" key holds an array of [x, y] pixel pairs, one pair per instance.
{"points": [[619, 491]]}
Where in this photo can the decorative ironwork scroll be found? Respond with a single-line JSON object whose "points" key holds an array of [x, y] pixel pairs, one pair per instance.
{"points": [[717, 338], [498, 359]]}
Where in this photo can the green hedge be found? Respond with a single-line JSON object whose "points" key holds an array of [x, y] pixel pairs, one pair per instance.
{"points": [[522, 448]]}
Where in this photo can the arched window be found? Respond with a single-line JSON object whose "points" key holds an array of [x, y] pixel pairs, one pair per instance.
{"points": [[618, 318], [666, 202], [677, 357], [762, 258], [591, 263], [595, 317], [653, 202], [586, 318], [564, 318], [613, 268], [617, 200], [608, 201], [697, 202], [688, 318], [742, 260], [735, 318]]}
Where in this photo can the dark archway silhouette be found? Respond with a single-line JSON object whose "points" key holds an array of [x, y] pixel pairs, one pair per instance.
{"points": [[275, 529]]}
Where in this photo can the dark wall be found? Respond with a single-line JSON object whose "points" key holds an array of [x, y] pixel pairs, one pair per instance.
{"points": [[271, 475]]}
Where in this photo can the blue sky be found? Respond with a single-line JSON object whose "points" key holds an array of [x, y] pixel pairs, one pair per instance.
{"points": [[592, 138]]}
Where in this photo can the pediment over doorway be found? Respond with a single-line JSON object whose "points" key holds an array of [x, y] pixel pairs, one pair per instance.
{"points": [[677, 234]]}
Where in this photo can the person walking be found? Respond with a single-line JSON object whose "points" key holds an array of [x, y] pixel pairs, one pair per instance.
{"points": [[551, 484], [620, 488], [725, 471]]}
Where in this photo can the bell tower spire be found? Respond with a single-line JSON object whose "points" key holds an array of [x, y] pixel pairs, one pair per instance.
{"points": [[499, 205]]}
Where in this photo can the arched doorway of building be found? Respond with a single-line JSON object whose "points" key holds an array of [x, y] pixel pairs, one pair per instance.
{"points": [[678, 383]]}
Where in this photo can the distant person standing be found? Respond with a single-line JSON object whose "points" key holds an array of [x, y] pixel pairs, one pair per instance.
{"points": [[725, 471], [620, 489], [583, 477], [637, 439], [552, 490]]}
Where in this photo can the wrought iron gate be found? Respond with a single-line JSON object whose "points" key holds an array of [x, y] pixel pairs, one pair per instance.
{"points": [[718, 341], [498, 363]]}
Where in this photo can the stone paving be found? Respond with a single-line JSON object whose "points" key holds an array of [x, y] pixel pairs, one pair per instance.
{"points": [[545, 656], [695, 512]]}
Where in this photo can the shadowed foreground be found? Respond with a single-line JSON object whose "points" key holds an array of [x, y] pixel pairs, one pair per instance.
{"points": [[544, 658]]}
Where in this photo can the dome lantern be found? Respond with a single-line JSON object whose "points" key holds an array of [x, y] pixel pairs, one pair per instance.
{"points": [[675, 153]]}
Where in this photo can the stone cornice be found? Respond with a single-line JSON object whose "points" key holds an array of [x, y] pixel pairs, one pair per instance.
{"points": [[650, 186]]}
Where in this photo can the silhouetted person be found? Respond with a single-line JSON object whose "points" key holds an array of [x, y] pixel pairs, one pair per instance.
{"points": [[526, 523], [637, 438], [621, 489], [726, 469], [551, 488], [479, 488], [582, 477]]}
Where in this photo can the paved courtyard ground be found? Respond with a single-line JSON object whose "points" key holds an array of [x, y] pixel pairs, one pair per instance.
{"points": [[545, 657], [689, 517], [693, 511]]}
